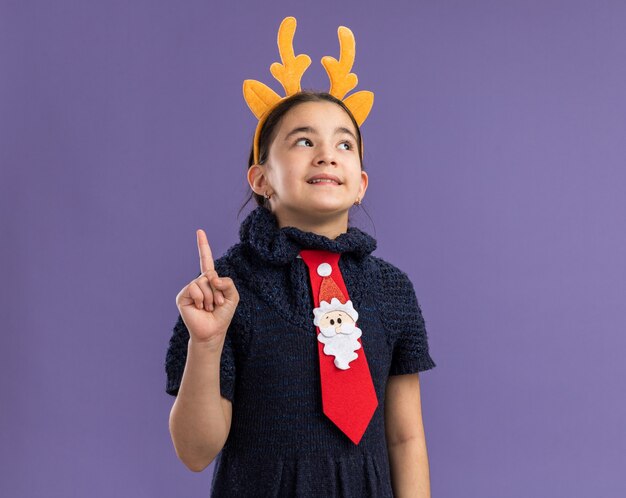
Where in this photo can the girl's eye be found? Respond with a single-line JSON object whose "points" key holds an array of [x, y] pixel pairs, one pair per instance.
{"points": [[303, 139], [348, 144]]}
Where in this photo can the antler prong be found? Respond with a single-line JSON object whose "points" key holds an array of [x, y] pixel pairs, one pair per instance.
{"points": [[341, 79], [290, 72]]}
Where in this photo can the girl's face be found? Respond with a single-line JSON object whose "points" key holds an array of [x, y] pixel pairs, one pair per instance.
{"points": [[312, 139]]}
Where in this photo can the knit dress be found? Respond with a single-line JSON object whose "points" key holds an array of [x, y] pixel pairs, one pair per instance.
{"points": [[281, 444]]}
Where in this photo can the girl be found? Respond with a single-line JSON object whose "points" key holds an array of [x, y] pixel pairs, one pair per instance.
{"points": [[299, 378]]}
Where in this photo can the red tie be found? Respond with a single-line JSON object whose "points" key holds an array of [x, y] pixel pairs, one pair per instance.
{"points": [[348, 395]]}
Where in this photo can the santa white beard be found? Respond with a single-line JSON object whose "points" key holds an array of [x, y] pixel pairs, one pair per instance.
{"points": [[343, 345]]}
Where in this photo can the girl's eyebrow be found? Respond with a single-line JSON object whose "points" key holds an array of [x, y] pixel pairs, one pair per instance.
{"points": [[308, 129]]}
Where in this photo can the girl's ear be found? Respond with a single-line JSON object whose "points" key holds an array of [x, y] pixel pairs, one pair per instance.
{"points": [[363, 186], [256, 179]]}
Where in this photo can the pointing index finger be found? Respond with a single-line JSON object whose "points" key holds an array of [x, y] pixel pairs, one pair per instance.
{"points": [[206, 258]]}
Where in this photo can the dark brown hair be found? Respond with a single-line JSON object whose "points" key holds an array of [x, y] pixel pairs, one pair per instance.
{"points": [[270, 126]]}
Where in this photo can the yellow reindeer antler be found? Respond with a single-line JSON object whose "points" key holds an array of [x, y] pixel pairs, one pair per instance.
{"points": [[259, 97], [290, 72], [342, 80]]}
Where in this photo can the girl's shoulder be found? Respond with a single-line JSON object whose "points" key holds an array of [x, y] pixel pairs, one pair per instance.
{"points": [[403, 319], [392, 278], [226, 265], [235, 264]]}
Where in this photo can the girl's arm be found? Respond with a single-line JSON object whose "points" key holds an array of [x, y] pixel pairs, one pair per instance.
{"points": [[406, 442], [200, 418]]}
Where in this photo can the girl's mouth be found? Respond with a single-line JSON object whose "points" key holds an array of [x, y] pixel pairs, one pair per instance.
{"points": [[323, 181]]}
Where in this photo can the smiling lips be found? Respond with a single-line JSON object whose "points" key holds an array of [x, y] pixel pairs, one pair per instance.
{"points": [[324, 180]]}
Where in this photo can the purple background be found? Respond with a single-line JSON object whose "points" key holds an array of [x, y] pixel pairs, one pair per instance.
{"points": [[496, 152]]}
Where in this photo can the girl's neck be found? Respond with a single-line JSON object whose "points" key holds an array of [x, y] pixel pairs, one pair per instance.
{"points": [[330, 227]]}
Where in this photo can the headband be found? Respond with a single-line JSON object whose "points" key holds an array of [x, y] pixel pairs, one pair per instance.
{"points": [[261, 99]]}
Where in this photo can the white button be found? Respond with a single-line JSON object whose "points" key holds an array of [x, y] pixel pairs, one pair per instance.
{"points": [[324, 270]]}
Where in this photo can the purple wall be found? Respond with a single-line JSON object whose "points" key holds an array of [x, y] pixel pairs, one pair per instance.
{"points": [[496, 152]]}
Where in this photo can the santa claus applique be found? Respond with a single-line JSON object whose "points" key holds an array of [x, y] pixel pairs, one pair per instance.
{"points": [[338, 331]]}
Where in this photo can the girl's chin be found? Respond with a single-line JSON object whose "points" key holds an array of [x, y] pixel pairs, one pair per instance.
{"points": [[323, 208], [328, 203]]}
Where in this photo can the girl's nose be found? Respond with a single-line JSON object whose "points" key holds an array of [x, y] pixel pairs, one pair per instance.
{"points": [[326, 155]]}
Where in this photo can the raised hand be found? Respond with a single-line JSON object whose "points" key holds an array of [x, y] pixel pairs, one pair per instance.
{"points": [[207, 304]]}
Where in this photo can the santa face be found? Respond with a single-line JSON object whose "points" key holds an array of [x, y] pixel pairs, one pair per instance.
{"points": [[336, 322]]}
